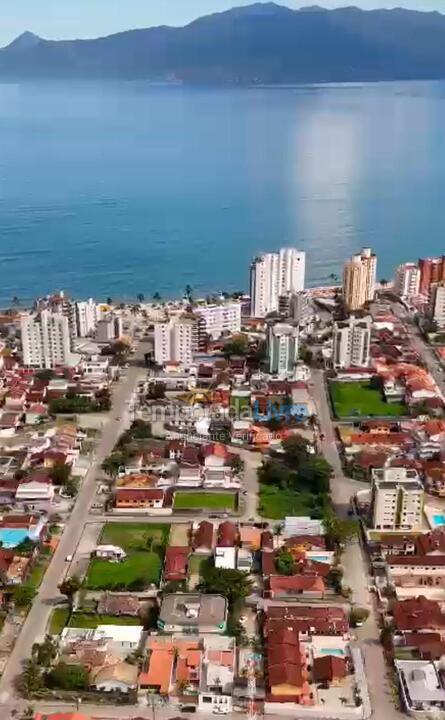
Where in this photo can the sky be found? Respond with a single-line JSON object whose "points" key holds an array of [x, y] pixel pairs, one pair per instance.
{"points": [[60, 19]]}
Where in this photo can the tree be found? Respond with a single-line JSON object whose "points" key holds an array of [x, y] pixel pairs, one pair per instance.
{"points": [[233, 584], [44, 653], [285, 563], [60, 473], [237, 464], [111, 465], [383, 282], [156, 391], [188, 293], [238, 345], [28, 713], [31, 680], [23, 595], [109, 301], [358, 616], [69, 587], [140, 297], [68, 677], [338, 530], [45, 375], [156, 296], [295, 450], [274, 472], [71, 487]]}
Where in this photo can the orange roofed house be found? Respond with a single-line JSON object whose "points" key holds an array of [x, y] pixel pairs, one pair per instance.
{"points": [[288, 677]]}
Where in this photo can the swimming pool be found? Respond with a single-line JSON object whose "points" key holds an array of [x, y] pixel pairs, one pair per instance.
{"points": [[332, 651], [11, 537], [439, 520], [319, 558]]}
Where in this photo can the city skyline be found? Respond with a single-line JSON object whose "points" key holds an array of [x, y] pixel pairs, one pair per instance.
{"points": [[94, 18]]}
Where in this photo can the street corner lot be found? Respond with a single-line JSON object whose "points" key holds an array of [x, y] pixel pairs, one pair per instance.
{"points": [[190, 500], [359, 399], [144, 544]]}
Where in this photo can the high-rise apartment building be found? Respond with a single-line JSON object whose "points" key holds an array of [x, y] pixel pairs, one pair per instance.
{"points": [[46, 341], [282, 348], [275, 274], [220, 319], [407, 280], [437, 303], [359, 276], [178, 339], [351, 341], [109, 328], [432, 270], [87, 314], [397, 499]]}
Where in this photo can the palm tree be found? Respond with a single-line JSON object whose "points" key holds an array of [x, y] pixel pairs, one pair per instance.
{"points": [[15, 301], [156, 296], [140, 297], [333, 277], [188, 292], [383, 282]]}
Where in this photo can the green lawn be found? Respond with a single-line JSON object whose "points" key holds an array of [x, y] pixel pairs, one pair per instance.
{"points": [[134, 536], [205, 500], [58, 620], [195, 563], [276, 504], [83, 620], [37, 573], [359, 399], [137, 571]]}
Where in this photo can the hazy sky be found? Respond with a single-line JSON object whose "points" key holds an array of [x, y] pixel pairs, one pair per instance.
{"points": [[90, 18]]}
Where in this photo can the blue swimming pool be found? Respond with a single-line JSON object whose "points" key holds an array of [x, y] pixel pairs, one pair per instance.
{"points": [[11, 537], [332, 651], [320, 558], [439, 519]]}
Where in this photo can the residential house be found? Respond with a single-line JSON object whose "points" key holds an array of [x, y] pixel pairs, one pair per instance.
{"points": [[121, 677], [217, 675], [122, 639], [227, 534], [284, 586], [418, 615], [110, 552], [176, 563], [422, 687], [118, 604], [329, 669], [225, 557], [190, 612], [250, 537], [35, 488], [306, 620], [422, 571], [287, 673], [139, 499], [203, 538]]}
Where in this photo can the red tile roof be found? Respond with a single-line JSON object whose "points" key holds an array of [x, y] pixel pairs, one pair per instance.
{"points": [[328, 668], [126, 494], [282, 584], [175, 563], [416, 560], [204, 535], [227, 533], [303, 618], [418, 614]]}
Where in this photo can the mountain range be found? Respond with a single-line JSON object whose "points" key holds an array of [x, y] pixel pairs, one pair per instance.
{"points": [[263, 43]]}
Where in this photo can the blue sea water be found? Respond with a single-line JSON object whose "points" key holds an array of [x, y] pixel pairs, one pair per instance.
{"points": [[121, 188]]}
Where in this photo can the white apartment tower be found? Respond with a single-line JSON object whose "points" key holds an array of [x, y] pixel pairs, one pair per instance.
{"points": [[220, 319], [275, 274], [407, 280], [46, 339], [282, 348], [351, 341], [87, 316], [397, 499], [177, 340], [437, 303], [359, 276]]}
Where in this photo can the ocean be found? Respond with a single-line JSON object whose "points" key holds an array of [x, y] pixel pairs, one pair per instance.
{"points": [[114, 189]]}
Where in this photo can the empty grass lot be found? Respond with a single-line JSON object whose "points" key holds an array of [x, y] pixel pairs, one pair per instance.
{"points": [[275, 503], [359, 399], [84, 620], [203, 500], [58, 620], [134, 536], [136, 572]]}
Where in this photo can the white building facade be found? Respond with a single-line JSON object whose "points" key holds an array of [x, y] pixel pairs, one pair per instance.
{"points": [[176, 340], [397, 499], [220, 319], [282, 348], [46, 340], [351, 341], [87, 316], [275, 274], [407, 280]]}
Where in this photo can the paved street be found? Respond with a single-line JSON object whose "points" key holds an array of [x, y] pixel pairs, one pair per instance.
{"points": [[354, 562], [37, 619]]}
